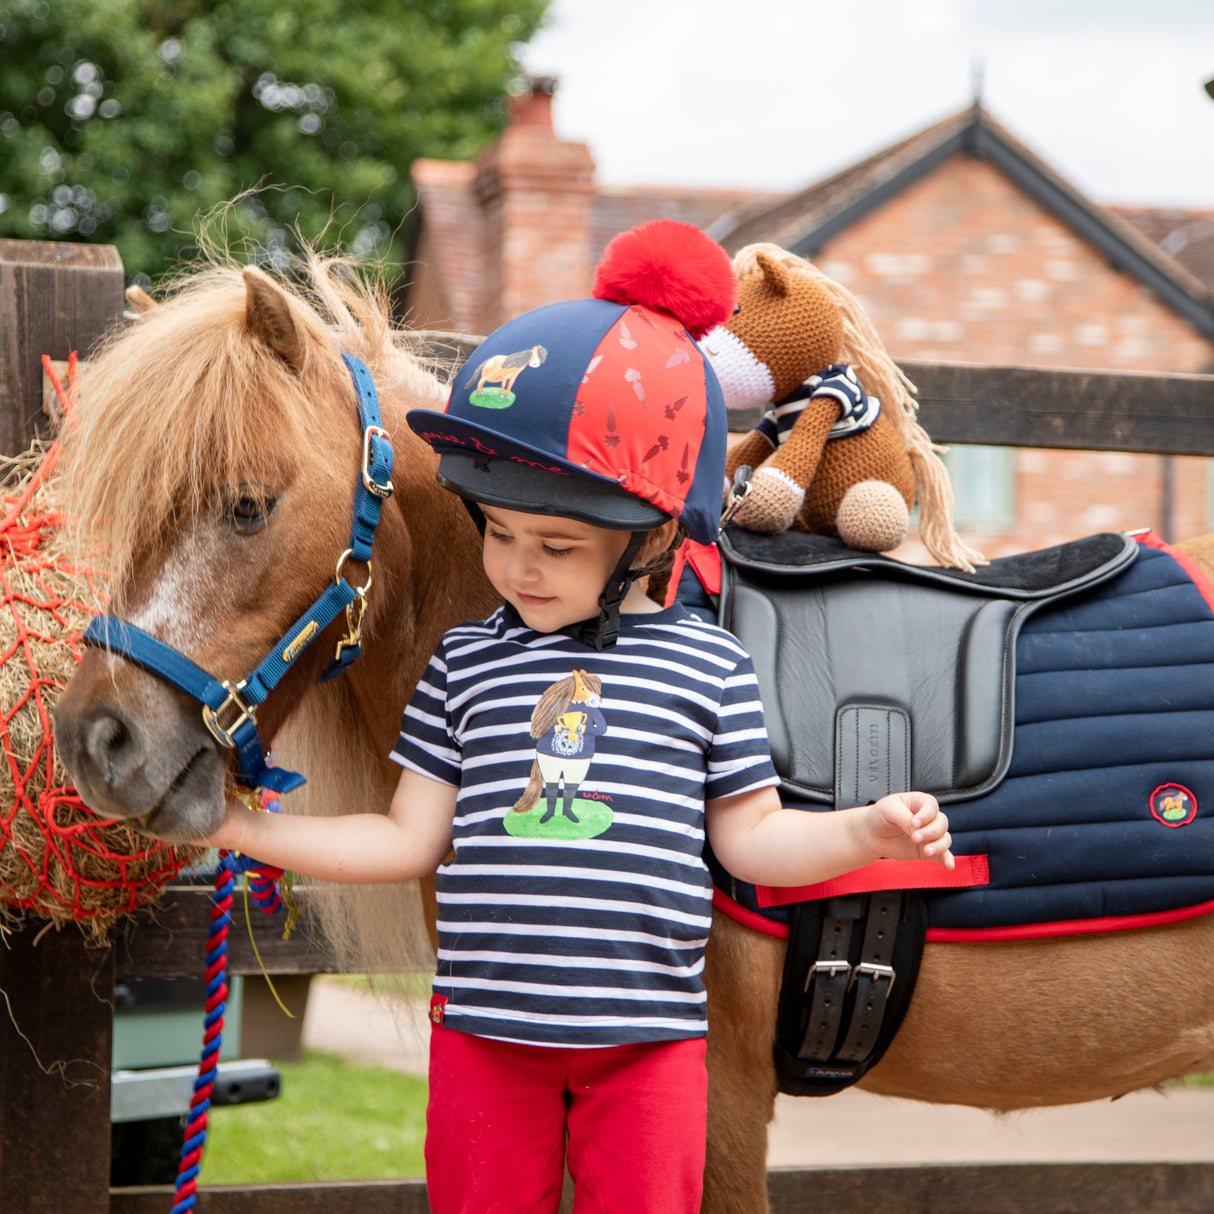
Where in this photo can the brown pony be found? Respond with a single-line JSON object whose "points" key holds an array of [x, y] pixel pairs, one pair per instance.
{"points": [[215, 451]]}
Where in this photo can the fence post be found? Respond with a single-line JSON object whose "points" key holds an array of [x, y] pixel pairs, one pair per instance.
{"points": [[56, 1016], [54, 298], [56, 1026]]}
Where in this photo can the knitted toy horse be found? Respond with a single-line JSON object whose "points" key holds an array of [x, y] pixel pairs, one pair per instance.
{"points": [[829, 457]]}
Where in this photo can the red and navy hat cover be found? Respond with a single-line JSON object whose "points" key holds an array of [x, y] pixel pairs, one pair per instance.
{"points": [[605, 392]]}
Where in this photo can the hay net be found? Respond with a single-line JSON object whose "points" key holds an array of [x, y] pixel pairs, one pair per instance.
{"points": [[58, 859]]}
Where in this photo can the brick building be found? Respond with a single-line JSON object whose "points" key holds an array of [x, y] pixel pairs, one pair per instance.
{"points": [[960, 243]]}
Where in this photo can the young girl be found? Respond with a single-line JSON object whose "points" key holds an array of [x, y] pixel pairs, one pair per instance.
{"points": [[562, 763]]}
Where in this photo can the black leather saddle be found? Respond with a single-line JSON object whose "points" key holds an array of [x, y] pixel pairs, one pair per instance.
{"points": [[877, 676]]}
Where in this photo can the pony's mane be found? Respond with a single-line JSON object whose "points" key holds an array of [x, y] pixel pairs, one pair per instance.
{"points": [[188, 403]]}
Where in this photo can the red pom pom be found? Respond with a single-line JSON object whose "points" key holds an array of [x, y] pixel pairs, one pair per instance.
{"points": [[671, 267]]}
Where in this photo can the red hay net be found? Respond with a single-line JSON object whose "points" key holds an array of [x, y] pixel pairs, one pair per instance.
{"points": [[58, 859]]}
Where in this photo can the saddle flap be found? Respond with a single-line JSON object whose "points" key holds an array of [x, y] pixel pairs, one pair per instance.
{"points": [[921, 660]]}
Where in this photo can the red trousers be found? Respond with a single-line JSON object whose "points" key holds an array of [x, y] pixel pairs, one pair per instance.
{"points": [[504, 1119]]}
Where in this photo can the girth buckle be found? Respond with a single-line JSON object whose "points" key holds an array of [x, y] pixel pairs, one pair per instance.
{"points": [[831, 968], [870, 969]]}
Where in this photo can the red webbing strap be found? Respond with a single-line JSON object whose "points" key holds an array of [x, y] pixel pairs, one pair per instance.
{"points": [[883, 874]]}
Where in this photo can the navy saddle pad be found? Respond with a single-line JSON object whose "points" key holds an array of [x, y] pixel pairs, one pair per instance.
{"points": [[1061, 703]]}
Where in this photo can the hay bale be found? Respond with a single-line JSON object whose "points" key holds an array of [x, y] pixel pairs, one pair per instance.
{"points": [[58, 860]]}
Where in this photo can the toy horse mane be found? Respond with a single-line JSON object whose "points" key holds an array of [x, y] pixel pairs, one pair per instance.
{"points": [[864, 350]]}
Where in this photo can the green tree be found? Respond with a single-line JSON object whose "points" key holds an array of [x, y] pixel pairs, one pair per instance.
{"points": [[122, 121]]}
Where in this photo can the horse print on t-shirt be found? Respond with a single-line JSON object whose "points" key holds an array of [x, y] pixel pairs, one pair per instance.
{"points": [[564, 724]]}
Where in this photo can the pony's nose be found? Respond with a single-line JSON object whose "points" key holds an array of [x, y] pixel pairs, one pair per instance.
{"points": [[112, 749]]}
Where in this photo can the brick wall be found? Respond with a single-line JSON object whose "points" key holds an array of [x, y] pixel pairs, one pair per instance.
{"points": [[964, 266], [537, 196]]}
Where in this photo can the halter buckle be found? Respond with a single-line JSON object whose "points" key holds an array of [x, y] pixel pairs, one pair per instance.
{"points": [[244, 712], [369, 483]]}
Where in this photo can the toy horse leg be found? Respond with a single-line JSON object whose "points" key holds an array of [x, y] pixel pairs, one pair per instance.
{"points": [[879, 455], [750, 451], [778, 487], [873, 516], [742, 974]]}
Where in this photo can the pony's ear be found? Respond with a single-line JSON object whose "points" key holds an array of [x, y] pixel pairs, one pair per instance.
{"points": [[140, 300], [775, 273], [268, 315]]}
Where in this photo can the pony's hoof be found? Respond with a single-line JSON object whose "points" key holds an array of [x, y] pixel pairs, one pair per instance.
{"points": [[873, 516]]}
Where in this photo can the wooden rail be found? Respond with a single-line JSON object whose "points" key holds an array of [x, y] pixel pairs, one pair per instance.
{"points": [[1104, 1188], [55, 1010]]}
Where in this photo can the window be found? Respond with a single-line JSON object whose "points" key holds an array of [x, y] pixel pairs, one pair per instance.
{"points": [[984, 485]]}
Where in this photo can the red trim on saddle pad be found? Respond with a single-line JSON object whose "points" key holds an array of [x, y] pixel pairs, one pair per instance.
{"points": [[883, 874], [1065, 927], [748, 918], [1185, 561], [987, 935]]}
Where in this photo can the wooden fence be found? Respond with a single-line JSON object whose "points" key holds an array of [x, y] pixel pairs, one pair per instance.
{"points": [[54, 1067]]}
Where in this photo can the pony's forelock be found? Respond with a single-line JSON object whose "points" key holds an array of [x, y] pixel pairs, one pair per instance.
{"points": [[188, 403]]}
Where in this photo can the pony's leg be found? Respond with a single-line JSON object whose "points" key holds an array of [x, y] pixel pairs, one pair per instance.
{"points": [[742, 973]]}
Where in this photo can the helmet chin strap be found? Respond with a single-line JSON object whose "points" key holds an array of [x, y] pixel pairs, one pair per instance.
{"points": [[601, 631]]}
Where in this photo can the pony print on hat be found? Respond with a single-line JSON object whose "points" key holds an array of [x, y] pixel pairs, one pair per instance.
{"points": [[502, 370], [564, 723]]}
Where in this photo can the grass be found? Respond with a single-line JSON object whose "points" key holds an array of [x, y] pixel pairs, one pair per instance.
{"points": [[333, 1121]]}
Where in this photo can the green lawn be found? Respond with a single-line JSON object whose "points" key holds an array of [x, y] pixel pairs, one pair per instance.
{"points": [[333, 1121]]}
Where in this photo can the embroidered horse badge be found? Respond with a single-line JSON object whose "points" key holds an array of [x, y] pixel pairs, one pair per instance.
{"points": [[1173, 805], [564, 724]]}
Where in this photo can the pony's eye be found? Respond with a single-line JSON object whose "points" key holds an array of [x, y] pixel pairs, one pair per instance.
{"points": [[248, 510], [737, 308]]}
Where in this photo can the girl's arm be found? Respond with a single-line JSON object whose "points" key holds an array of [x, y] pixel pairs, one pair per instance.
{"points": [[759, 841], [410, 841]]}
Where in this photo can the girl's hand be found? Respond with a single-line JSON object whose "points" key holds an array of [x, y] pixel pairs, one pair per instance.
{"points": [[911, 826], [230, 832]]}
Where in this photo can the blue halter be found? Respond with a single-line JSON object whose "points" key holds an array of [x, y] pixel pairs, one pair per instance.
{"points": [[229, 711]]}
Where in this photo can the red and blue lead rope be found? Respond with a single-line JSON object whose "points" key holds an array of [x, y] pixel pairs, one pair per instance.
{"points": [[264, 886]]}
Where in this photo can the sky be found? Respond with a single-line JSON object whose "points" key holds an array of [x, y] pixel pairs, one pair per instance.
{"points": [[777, 94]]}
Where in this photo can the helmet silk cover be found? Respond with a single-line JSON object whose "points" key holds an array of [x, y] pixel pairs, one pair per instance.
{"points": [[582, 397]]}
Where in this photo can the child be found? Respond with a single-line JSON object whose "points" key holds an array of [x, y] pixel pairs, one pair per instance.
{"points": [[572, 751]]}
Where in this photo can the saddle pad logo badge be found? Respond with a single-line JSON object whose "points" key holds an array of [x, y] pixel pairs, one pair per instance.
{"points": [[1173, 805]]}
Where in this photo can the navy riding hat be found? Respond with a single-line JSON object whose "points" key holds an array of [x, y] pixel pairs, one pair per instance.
{"points": [[603, 410]]}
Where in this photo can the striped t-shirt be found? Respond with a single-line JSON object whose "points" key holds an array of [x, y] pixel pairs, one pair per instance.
{"points": [[575, 909]]}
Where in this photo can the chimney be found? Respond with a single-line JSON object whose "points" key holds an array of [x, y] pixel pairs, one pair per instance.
{"points": [[536, 192]]}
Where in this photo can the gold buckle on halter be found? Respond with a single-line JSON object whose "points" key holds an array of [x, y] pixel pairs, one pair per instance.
{"points": [[356, 610], [222, 734], [373, 486]]}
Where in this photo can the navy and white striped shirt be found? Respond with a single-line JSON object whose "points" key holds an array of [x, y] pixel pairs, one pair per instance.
{"points": [[581, 919]]}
